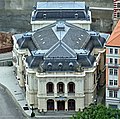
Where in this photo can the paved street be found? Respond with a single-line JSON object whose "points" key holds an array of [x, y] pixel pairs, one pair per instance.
{"points": [[8, 109]]}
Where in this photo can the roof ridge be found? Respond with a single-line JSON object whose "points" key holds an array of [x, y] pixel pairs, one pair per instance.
{"points": [[58, 45]]}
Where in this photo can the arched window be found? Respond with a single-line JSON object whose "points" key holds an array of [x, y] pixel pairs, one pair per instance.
{"points": [[50, 104], [71, 104], [60, 87], [71, 87], [50, 87]]}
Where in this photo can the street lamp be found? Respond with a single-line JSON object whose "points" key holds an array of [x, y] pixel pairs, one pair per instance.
{"points": [[32, 113]]}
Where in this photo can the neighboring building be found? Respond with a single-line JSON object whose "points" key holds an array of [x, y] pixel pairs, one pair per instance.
{"points": [[60, 66], [113, 68], [46, 13], [6, 46], [116, 9], [116, 13], [6, 42]]}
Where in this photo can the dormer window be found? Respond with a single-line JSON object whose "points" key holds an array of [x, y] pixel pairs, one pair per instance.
{"points": [[71, 64], [60, 65], [76, 15], [49, 66], [60, 26], [44, 16]]}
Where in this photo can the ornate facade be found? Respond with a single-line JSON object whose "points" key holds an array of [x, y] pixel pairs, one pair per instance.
{"points": [[59, 66]]}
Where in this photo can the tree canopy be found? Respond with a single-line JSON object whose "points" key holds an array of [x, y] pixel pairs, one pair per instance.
{"points": [[97, 112]]}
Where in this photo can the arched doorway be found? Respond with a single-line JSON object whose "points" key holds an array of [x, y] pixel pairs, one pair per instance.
{"points": [[60, 105], [71, 104], [50, 104], [71, 87], [50, 87], [60, 87]]}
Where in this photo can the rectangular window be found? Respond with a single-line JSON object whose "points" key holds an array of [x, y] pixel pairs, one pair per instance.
{"points": [[118, 14], [118, 5], [116, 51], [111, 61], [110, 93], [116, 61], [111, 51], [111, 71], [115, 72], [110, 82], [115, 94], [115, 82], [113, 106]]}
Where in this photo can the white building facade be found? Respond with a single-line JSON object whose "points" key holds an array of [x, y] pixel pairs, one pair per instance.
{"points": [[59, 64], [66, 86]]}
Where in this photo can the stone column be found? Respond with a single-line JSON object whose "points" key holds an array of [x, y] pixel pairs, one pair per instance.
{"points": [[45, 90], [55, 89], [66, 91], [39, 87], [21, 80], [66, 105], [55, 105]]}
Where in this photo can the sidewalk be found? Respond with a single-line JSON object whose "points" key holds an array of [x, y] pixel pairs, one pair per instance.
{"points": [[9, 81]]}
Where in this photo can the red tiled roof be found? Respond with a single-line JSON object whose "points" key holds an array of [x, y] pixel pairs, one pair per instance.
{"points": [[114, 39], [5, 42]]}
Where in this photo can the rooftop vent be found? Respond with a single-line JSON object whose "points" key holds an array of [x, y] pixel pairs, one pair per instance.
{"points": [[60, 26], [49, 64]]}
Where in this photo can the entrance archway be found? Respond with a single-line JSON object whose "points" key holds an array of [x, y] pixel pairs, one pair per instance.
{"points": [[50, 104], [71, 104], [60, 105]]}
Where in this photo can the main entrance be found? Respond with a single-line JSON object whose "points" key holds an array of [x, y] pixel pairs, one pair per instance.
{"points": [[61, 105]]}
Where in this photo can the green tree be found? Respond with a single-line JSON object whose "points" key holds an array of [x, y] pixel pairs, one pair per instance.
{"points": [[97, 112]]}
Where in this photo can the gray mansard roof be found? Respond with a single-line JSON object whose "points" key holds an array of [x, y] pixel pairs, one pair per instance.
{"points": [[60, 47], [60, 10], [71, 35]]}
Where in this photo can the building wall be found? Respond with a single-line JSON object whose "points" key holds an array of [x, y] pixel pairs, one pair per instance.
{"points": [[116, 13], [112, 100], [18, 13], [39, 24], [35, 84], [55, 79]]}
